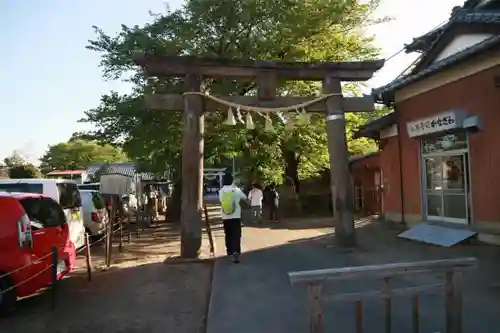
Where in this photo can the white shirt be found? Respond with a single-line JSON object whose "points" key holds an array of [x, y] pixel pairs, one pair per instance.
{"points": [[132, 201], [239, 195], [255, 196]]}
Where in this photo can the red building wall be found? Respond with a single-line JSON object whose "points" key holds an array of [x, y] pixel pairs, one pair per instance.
{"points": [[391, 175], [477, 95], [364, 174]]}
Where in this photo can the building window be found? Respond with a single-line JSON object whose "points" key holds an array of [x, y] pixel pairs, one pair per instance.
{"points": [[444, 143]]}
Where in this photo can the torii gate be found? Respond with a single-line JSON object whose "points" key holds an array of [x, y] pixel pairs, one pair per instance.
{"points": [[267, 74]]}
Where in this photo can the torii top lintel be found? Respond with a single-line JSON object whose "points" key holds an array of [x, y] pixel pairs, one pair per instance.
{"points": [[168, 66]]}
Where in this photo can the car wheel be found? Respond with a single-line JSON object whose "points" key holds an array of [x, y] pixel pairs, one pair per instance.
{"points": [[7, 294]]}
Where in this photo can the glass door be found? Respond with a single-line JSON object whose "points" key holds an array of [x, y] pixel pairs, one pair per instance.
{"points": [[446, 189], [434, 187]]}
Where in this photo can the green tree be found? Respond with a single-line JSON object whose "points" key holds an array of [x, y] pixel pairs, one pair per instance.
{"points": [[79, 154], [15, 159], [328, 30], [26, 170]]}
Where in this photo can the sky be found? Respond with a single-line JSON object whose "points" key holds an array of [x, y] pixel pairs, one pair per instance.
{"points": [[48, 78]]}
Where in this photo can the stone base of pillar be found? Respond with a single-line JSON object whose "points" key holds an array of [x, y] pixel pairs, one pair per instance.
{"points": [[190, 246]]}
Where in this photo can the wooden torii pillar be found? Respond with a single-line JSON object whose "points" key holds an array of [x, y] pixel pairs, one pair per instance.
{"points": [[267, 74]]}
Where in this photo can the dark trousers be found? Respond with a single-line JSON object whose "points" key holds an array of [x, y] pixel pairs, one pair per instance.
{"points": [[273, 212], [232, 233]]}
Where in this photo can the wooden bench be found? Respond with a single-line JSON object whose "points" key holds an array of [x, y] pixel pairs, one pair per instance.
{"points": [[451, 268]]}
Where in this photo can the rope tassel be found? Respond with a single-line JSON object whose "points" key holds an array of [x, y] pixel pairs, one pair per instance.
{"points": [[230, 120], [289, 121], [268, 126], [249, 121], [239, 116]]}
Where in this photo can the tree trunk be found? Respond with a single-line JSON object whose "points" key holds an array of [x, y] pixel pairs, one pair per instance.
{"points": [[292, 169]]}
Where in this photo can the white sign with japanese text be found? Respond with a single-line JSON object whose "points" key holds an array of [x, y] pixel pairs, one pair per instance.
{"points": [[439, 123]]}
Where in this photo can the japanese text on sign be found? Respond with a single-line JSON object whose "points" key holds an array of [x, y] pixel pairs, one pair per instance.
{"points": [[435, 124]]}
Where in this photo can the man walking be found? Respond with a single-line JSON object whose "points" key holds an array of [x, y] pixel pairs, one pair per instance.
{"points": [[255, 197], [230, 197]]}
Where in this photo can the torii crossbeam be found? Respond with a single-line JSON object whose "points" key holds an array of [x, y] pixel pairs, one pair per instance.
{"points": [[267, 74]]}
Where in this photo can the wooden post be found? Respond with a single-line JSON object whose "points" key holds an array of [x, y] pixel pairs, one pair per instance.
{"points": [[315, 308], [106, 240], [192, 170], [109, 238], [120, 245], [209, 229], [416, 314], [267, 84], [88, 258], [138, 221], [339, 165], [359, 316], [388, 305], [453, 306], [129, 229]]}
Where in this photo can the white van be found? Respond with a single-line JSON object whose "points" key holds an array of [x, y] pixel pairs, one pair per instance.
{"points": [[63, 191]]}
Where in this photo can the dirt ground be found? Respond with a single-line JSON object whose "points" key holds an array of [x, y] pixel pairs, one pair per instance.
{"points": [[141, 292]]}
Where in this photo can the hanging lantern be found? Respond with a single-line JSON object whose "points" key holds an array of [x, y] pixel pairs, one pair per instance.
{"points": [[249, 121], [239, 116], [289, 121], [230, 120], [268, 125]]}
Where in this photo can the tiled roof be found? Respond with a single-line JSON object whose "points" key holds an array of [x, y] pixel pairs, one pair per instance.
{"points": [[126, 169], [470, 4], [485, 45], [462, 16]]}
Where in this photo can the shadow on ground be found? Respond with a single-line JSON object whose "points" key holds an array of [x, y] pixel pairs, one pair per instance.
{"points": [[255, 296]]}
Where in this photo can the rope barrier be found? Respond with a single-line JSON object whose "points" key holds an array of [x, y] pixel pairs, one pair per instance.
{"points": [[23, 267], [28, 279], [92, 244]]}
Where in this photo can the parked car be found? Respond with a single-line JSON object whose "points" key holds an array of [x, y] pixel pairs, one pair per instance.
{"points": [[63, 192], [109, 198], [95, 214], [31, 225]]}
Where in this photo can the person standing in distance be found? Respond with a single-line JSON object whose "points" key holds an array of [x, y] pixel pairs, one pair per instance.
{"points": [[255, 196], [230, 197]]}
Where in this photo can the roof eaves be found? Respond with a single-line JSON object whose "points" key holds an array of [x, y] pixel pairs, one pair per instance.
{"points": [[461, 17], [485, 45], [358, 158], [373, 128], [470, 4]]}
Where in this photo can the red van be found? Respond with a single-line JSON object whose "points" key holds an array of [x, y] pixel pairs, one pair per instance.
{"points": [[30, 226]]}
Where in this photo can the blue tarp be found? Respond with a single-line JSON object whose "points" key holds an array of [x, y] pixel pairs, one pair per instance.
{"points": [[437, 234]]}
